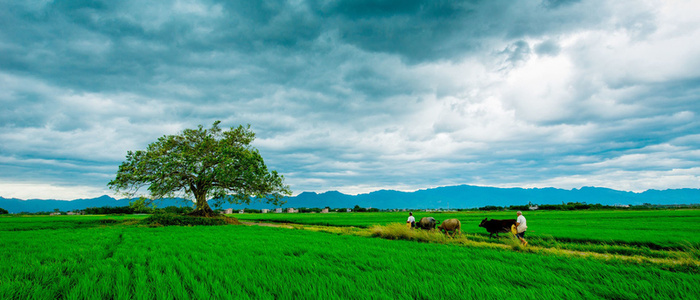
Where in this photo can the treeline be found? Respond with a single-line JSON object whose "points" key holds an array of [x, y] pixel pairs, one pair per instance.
{"points": [[45, 213], [128, 210], [584, 206], [563, 206], [118, 210], [357, 208], [139, 209]]}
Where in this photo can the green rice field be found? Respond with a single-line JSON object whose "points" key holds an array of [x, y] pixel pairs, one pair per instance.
{"points": [[572, 255], [659, 229]]}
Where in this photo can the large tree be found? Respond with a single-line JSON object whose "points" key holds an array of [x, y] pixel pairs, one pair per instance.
{"points": [[202, 163]]}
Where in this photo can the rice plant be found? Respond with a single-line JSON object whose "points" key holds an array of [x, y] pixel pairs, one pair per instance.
{"points": [[120, 261]]}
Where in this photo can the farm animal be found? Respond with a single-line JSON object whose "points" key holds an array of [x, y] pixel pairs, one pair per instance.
{"points": [[453, 225], [496, 226], [426, 223]]}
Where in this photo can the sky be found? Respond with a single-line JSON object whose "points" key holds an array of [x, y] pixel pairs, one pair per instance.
{"points": [[357, 96]]}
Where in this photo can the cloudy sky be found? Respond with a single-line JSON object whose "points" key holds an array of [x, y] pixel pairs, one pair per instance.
{"points": [[357, 95]]}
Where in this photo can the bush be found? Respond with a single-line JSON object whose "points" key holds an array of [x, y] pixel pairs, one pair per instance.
{"points": [[519, 207], [491, 207], [399, 231], [176, 210], [3, 211], [179, 220]]}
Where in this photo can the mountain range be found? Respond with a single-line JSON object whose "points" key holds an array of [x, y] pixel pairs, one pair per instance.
{"points": [[460, 196]]}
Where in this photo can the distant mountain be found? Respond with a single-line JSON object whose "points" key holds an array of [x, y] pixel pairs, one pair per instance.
{"points": [[34, 205], [466, 196], [461, 196]]}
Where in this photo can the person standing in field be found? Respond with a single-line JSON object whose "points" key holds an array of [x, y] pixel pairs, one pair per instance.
{"points": [[521, 226], [411, 220]]}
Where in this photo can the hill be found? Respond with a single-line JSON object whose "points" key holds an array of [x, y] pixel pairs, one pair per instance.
{"points": [[13, 205], [461, 196]]}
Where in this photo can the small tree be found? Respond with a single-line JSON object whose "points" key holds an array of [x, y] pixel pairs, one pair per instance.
{"points": [[3, 211], [141, 205], [202, 163]]}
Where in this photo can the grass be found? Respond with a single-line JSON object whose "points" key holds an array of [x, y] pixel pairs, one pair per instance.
{"points": [[654, 229], [26, 223], [124, 260], [168, 219]]}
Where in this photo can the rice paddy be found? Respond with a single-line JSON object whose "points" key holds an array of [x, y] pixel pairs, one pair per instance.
{"points": [[85, 257]]}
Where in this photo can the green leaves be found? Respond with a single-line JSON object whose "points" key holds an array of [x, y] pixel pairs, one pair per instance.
{"points": [[202, 163]]}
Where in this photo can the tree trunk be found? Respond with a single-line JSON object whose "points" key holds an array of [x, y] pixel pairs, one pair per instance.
{"points": [[202, 208]]}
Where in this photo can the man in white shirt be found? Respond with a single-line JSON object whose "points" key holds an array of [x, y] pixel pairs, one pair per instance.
{"points": [[411, 220], [521, 225]]}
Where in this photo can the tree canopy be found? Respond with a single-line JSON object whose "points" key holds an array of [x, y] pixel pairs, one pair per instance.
{"points": [[202, 163]]}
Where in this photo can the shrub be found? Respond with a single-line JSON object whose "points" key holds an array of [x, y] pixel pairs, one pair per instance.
{"points": [[399, 231], [179, 220], [491, 207]]}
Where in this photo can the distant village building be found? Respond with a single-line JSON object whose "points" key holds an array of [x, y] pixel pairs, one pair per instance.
{"points": [[324, 211], [70, 213], [622, 205], [241, 211], [348, 210], [278, 210], [264, 210], [228, 211], [292, 210], [534, 207], [55, 214]]}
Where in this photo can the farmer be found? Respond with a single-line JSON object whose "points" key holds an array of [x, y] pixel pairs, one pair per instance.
{"points": [[411, 222], [521, 226]]}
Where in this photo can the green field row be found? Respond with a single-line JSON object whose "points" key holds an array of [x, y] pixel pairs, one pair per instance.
{"points": [[118, 261], [656, 229]]}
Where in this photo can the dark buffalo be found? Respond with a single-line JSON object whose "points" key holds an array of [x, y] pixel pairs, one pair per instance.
{"points": [[426, 223], [496, 226], [453, 225]]}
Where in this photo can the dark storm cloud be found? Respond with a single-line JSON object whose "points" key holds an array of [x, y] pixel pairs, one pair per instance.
{"points": [[421, 31], [558, 3], [129, 44]]}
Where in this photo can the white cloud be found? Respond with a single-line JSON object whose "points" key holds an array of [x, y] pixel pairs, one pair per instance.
{"points": [[635, 181], [27, 190], [568, 96]]}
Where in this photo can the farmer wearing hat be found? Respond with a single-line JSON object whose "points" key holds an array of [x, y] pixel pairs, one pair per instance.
{"points": [[521, 226], [411, 222]]}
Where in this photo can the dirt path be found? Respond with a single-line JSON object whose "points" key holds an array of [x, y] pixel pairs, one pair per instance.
{"points": [[282, 225]]}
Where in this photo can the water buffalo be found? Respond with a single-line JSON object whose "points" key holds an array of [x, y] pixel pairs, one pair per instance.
{"points": [[451, 225], [496, 226], [426, 223]]}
